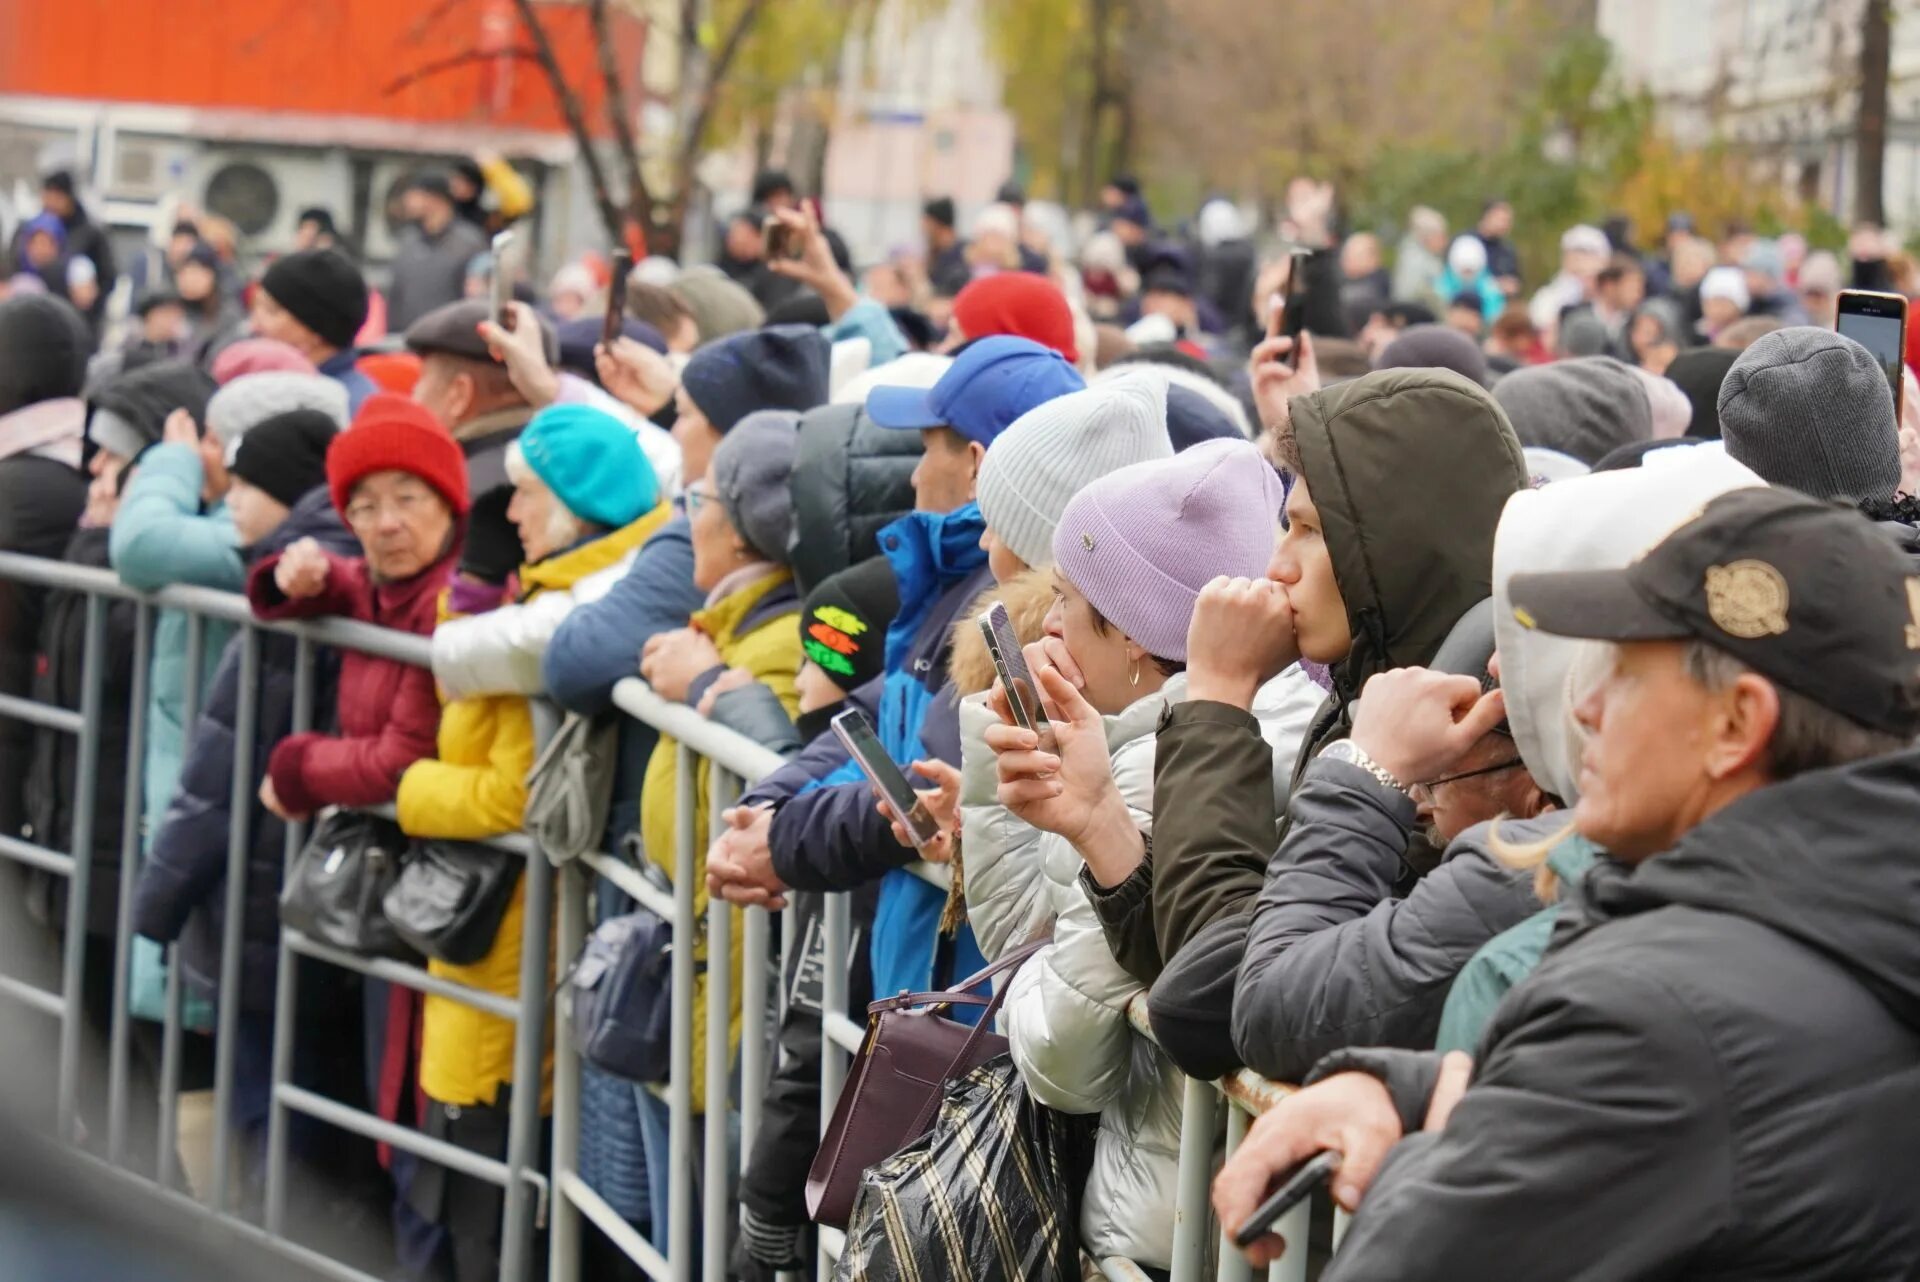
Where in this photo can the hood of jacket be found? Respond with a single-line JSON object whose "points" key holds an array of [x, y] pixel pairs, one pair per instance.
{"points": [[1600, 522], [564, 569], [1409, 470], [1825, 859], [930, 552]]}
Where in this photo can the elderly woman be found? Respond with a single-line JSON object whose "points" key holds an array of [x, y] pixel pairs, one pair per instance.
{"points": [[400, 482], [584, 497], [742, 514]]}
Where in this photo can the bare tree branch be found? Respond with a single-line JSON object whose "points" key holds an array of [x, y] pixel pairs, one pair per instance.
{"points": [[638, 197], [576, 117], [467, 58], [716, 74]]}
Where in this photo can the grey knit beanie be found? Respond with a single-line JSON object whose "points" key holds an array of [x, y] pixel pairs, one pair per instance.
{"points": [[752, 469], [1812, 411], [1054, 450], [252, 399], [1585, 407]]}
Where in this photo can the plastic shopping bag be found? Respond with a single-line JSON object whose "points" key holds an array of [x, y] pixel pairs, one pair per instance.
{"points": [[990, 1194]]}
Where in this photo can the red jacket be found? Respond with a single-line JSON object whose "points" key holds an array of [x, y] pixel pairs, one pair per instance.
{"points": [[389, 712]]}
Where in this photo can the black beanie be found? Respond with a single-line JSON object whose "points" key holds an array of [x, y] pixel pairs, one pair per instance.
{"points": [[844, 621], [322, 290], [1698, 372], [783, 367], [43, 351], [142, 399], [285, 455]]}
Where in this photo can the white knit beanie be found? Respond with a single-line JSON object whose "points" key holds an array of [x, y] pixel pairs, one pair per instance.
{"points": [[1056, 449], [254, 398]]}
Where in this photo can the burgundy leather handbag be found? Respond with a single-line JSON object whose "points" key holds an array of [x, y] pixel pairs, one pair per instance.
{"points": [[911, 1051]]}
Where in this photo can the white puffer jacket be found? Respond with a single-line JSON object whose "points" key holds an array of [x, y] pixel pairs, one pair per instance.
{"points": [[499, 652], [1065, 1011]]}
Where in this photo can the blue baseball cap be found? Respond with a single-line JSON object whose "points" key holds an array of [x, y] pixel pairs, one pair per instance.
{"points": [[990, 384]]}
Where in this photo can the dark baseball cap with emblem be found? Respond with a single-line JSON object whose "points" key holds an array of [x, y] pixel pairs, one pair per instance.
{"points": [[454, 330], [1808, 594]]}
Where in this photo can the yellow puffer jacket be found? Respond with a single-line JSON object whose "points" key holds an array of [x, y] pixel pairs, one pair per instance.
{"points": [[755, 628], [477, 788]]}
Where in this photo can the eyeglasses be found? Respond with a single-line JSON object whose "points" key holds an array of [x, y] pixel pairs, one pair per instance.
{"points": [[406, 506], [697, 499], [1422, 793]]}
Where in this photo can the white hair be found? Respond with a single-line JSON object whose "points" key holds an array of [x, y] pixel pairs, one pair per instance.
{"points": [[564, 529]]}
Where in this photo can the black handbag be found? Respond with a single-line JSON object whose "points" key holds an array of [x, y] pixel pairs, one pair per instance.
{"points": [[334, 892], [621, 991], [450, 899]]}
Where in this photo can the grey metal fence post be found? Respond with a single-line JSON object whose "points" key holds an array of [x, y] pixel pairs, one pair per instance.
{"points": [[680, 1089], [227, 1022], [1199, 1116], [564, 1222], [132, 807], [286, 978], [79, 886], [1233, 1265], [836, 916], [170, 1027], [715, 1203], [529, 1052]]}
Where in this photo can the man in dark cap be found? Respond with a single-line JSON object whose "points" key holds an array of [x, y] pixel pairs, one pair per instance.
{"points": [[773, 191], [315, 301], [472, 393], [430, 267]]}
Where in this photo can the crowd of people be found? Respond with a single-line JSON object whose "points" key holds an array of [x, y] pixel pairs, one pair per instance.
{"points": [[1487, 707]]}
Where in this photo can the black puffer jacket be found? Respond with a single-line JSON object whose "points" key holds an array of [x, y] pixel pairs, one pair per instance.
{"points": [[1714, 1074], [51, 787], [850, 480], [181, 893]]}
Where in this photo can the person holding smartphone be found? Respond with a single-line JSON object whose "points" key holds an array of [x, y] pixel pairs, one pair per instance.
{"points": [[1131, 552]]}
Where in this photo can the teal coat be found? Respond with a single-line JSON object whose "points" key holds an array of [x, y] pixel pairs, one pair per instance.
{"points": [[161, 537], [1504, 962]]}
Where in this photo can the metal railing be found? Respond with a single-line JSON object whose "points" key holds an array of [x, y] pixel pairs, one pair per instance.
{"points": [[556, 925], [519, 1175]]}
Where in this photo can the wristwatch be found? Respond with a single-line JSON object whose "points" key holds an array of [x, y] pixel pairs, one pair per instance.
{"points": [[1354, 755]]}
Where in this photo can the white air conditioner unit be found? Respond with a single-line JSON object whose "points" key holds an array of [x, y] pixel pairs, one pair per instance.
{"points": [[263, 189]]}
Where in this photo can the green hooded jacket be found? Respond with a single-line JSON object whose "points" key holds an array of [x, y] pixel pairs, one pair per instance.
{"points": [[1409, 470]]}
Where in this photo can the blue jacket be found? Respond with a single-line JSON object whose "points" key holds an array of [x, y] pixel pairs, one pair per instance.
{"points": [[1492, 302], [826, 834], [185, 872], [341, 369], [162, 537]]}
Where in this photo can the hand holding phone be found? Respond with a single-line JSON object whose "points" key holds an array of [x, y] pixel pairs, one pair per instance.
{"points": [[863, 744], [1023, 697], [1293, 1190]]}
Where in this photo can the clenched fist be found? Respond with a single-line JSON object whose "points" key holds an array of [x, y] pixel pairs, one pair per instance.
{"points": [[1241, 637], [301, 571]]}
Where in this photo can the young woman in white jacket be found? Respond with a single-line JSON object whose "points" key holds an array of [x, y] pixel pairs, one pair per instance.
{"points": [[1131, 551]]}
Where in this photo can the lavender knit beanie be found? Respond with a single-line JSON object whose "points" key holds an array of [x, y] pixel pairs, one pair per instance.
{"points": [[1141, 542]]}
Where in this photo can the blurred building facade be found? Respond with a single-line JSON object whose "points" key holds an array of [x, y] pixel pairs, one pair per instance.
{"points": [[1779, 79]]}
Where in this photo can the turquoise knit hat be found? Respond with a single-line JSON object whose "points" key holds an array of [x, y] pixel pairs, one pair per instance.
{"points": [[592, 462]]}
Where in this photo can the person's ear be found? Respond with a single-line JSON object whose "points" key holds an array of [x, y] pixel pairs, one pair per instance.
{"points": [[462, 392], [1744, 718]]}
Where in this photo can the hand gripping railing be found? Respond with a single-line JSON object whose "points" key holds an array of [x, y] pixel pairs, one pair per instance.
{"points": [[519, 1174]]}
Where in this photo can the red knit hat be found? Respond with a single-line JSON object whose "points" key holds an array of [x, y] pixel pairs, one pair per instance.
{"points": [[391, 433], [1019, 303]]}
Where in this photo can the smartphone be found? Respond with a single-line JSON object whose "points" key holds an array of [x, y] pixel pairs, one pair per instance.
{"points": [[1295, 1189], [617, 296], [782, 239], [1878, 322], [1293, 316], [1011, 663], [863, 745], [505, 267]]}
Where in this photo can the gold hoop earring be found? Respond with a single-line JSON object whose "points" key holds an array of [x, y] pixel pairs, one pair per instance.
{"points": [[1133, 673]]}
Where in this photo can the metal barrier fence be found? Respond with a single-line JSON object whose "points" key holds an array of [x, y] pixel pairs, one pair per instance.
{"points": [[556, 924]]}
